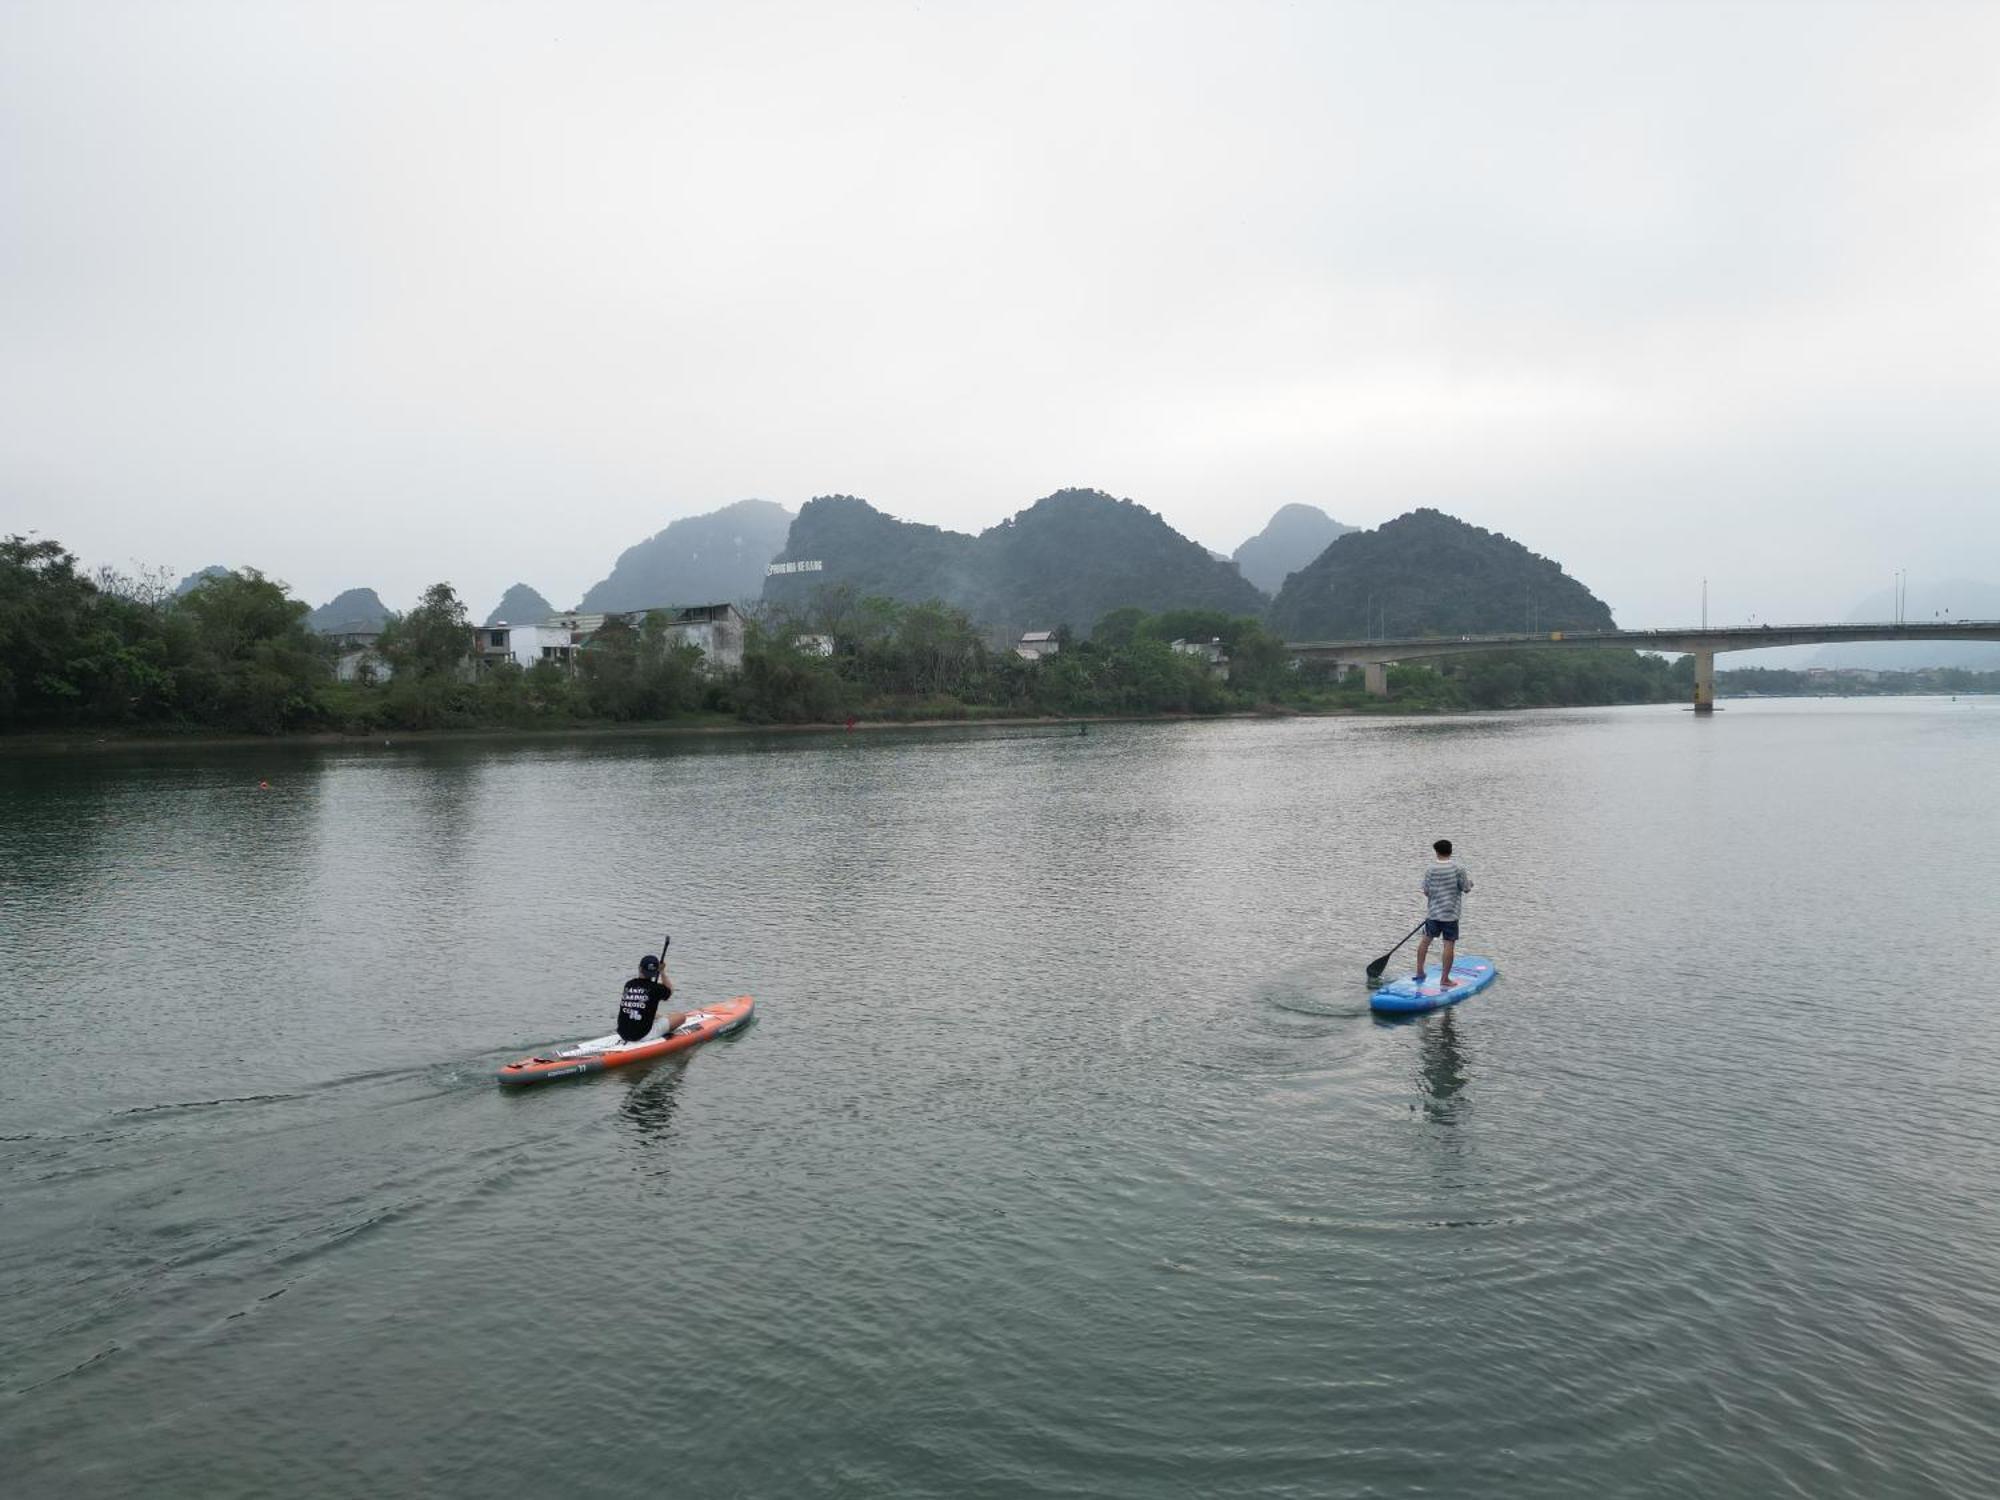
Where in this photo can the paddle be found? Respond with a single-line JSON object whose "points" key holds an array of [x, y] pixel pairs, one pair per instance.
{"points": [[665, 940], [1375, 969]]}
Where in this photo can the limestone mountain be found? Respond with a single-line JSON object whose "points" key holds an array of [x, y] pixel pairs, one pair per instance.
{"points": [[1427, 573], [355, 610], [868, 551], [1293, 537], [1068, 559], [717, 558], [195, 580], [520, 605], [1073, 557]]}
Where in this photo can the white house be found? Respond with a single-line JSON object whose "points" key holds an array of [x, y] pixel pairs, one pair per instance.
{"points": [[814, 645], [360, 660], [1209, 652], [524, 645], [717, 630], [1036, 644]]}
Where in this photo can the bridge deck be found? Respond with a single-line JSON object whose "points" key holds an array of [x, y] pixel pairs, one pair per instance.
{"points": [[1678, 641]]}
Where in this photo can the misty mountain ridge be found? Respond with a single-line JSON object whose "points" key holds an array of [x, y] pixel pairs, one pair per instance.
{"points": [[521, 605], [1074, 556], [1293, 537], [1427, 573], [715, 558], [872, 553], [195, 580], [1069, 559], [357, 611]]}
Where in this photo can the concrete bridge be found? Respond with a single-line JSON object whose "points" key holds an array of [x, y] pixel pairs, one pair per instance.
{"points": [[1700, 642]]}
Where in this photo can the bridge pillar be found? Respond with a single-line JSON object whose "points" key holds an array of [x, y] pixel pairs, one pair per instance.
{"points": [[1375, 677], [1704, 682]]}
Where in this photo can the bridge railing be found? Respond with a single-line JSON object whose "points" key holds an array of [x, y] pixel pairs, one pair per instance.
{"points": [[1657, 633]]}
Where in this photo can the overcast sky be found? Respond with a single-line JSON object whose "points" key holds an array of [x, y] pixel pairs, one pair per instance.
{"points": [[377, 295]]}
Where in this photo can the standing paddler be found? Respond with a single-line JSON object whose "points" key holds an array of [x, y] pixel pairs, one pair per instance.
{"points": [[1445, 884]]}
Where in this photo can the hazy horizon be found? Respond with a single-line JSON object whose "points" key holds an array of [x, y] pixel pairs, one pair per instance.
{"points": [[376, 295]]}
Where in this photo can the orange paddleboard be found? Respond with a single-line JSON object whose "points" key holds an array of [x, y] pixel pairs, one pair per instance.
{"points": [[603, 1052]]}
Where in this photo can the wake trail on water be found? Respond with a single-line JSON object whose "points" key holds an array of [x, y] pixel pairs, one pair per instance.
{"points": [[447, 1074], [169, 1225], [149, 1109], [1328, 1009]]}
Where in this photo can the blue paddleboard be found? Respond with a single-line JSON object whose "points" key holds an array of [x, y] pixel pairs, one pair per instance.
{"points": [[1407, 996]]}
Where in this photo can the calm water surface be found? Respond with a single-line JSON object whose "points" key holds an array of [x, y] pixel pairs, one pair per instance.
{"points": [[1064, 1157]]}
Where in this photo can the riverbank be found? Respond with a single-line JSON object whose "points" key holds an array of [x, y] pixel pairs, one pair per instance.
{"points": [[46, 743], [80, 742]]}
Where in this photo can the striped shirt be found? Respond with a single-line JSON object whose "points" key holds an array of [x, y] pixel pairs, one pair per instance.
{"points": [[1444, 883]]}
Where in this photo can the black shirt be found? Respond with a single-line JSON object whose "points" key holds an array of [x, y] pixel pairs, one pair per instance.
{"points": [[639, 1004]]}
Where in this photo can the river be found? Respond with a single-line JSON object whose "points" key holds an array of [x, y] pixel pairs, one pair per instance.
{"points": [[1063, 1156]]}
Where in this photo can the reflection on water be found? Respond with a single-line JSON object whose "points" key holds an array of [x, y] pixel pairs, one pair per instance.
{"points": [[653, 1092], [1442, 1069], [648, 1107], [1457, 727]]}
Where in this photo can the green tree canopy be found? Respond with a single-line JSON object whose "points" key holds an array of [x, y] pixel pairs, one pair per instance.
{"points": [[432, 640], [248, 659]]}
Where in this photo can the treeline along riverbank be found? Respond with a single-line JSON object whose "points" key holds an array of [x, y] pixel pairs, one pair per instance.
{"points": [[108, 653]]}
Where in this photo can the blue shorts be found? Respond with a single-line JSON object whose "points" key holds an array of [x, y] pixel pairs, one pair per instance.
{"points": [[1433, 927]]}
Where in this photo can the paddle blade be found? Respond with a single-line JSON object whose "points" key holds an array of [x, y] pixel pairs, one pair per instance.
{"points": [[1375, 969]]}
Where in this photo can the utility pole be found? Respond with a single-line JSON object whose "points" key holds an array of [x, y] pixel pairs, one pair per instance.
{"points": [[1704, 604]]}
